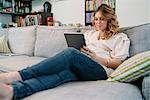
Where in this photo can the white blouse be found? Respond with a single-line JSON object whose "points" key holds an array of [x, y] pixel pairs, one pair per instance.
{"points": [[116, 46]]}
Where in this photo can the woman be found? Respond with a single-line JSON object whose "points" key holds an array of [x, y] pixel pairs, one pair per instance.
{"points": [[105, 51]]}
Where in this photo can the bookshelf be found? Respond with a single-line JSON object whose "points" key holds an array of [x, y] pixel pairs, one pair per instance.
{"points": [[92, 5], [20, 10], [15, 6], [22, 6], [6, 6]]}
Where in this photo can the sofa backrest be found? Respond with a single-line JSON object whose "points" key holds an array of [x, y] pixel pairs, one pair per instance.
{"points": [[22, 40], [47, 41], [139, 37], [50, 40]]}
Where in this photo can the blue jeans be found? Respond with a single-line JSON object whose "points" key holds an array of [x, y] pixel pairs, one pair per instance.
{"points": [[69, 65]]}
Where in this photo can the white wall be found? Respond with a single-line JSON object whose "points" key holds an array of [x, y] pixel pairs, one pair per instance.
{"points": [[66, 11], [69, 11], [132, 12], [148, 7]]}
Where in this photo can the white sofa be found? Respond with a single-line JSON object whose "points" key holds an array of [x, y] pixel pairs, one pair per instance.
{"points": [[30, 45]]}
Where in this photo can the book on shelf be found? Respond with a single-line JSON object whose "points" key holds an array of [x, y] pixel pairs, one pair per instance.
{"points": [[90, 5], [89, 17], [111, 3], [86, 6]]}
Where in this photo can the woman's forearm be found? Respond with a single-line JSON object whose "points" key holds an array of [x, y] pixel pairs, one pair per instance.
{"points": [[109, 62]]}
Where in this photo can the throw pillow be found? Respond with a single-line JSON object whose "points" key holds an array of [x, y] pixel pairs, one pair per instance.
{"points": [[132, 68], [3, 45]]}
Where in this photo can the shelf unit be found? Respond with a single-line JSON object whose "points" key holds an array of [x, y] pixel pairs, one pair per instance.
{"points": [[37, 18], [15, 6], [22, 15], [92, 5], [6, 6], [22, 6]]}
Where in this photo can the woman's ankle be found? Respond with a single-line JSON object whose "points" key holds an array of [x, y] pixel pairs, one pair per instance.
{"points": [[10, 77]]}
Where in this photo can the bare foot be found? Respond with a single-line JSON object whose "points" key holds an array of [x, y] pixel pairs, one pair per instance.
{"points": [[9, 77], [6, 92]]}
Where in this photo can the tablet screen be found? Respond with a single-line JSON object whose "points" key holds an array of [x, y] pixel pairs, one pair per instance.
{"points": [[75, 40]]}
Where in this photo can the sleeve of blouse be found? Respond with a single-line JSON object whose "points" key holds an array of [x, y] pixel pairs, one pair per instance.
{"points": [[86, 36], [121, 50]]}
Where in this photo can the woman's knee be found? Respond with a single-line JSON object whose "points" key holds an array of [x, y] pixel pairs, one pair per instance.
{"points": [[71, 50]]}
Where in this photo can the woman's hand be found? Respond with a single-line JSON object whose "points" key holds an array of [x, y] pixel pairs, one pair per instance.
{"points": [[92, 54], [109, 62], [87, 51]]}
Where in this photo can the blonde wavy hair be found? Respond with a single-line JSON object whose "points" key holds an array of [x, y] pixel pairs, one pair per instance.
{"points": [[112, 23]]}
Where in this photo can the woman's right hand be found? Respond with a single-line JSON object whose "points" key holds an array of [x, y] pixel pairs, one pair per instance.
{"points": [[87, 51]]}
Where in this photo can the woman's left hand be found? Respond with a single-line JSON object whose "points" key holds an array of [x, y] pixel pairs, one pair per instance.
{"points": [[87, 51]]}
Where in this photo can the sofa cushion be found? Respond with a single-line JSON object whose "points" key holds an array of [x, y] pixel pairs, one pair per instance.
{"points": [[139, 36], [22, 39], [133, 68], [50, 40], [146, 87], [4, 45], [15, 62], [90, 90]]}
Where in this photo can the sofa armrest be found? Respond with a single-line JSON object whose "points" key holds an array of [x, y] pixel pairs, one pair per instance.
{"points": [[146, 87]]}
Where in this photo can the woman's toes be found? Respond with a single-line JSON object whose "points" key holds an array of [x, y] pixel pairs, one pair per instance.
{"points": [[6, 92]]}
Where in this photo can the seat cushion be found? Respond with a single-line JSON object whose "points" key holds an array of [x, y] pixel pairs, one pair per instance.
{"points": [[21, 40], [91, 90], [15, 62]]}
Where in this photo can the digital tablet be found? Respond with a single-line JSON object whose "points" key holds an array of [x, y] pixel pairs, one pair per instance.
{"points": [[75, 40]]}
